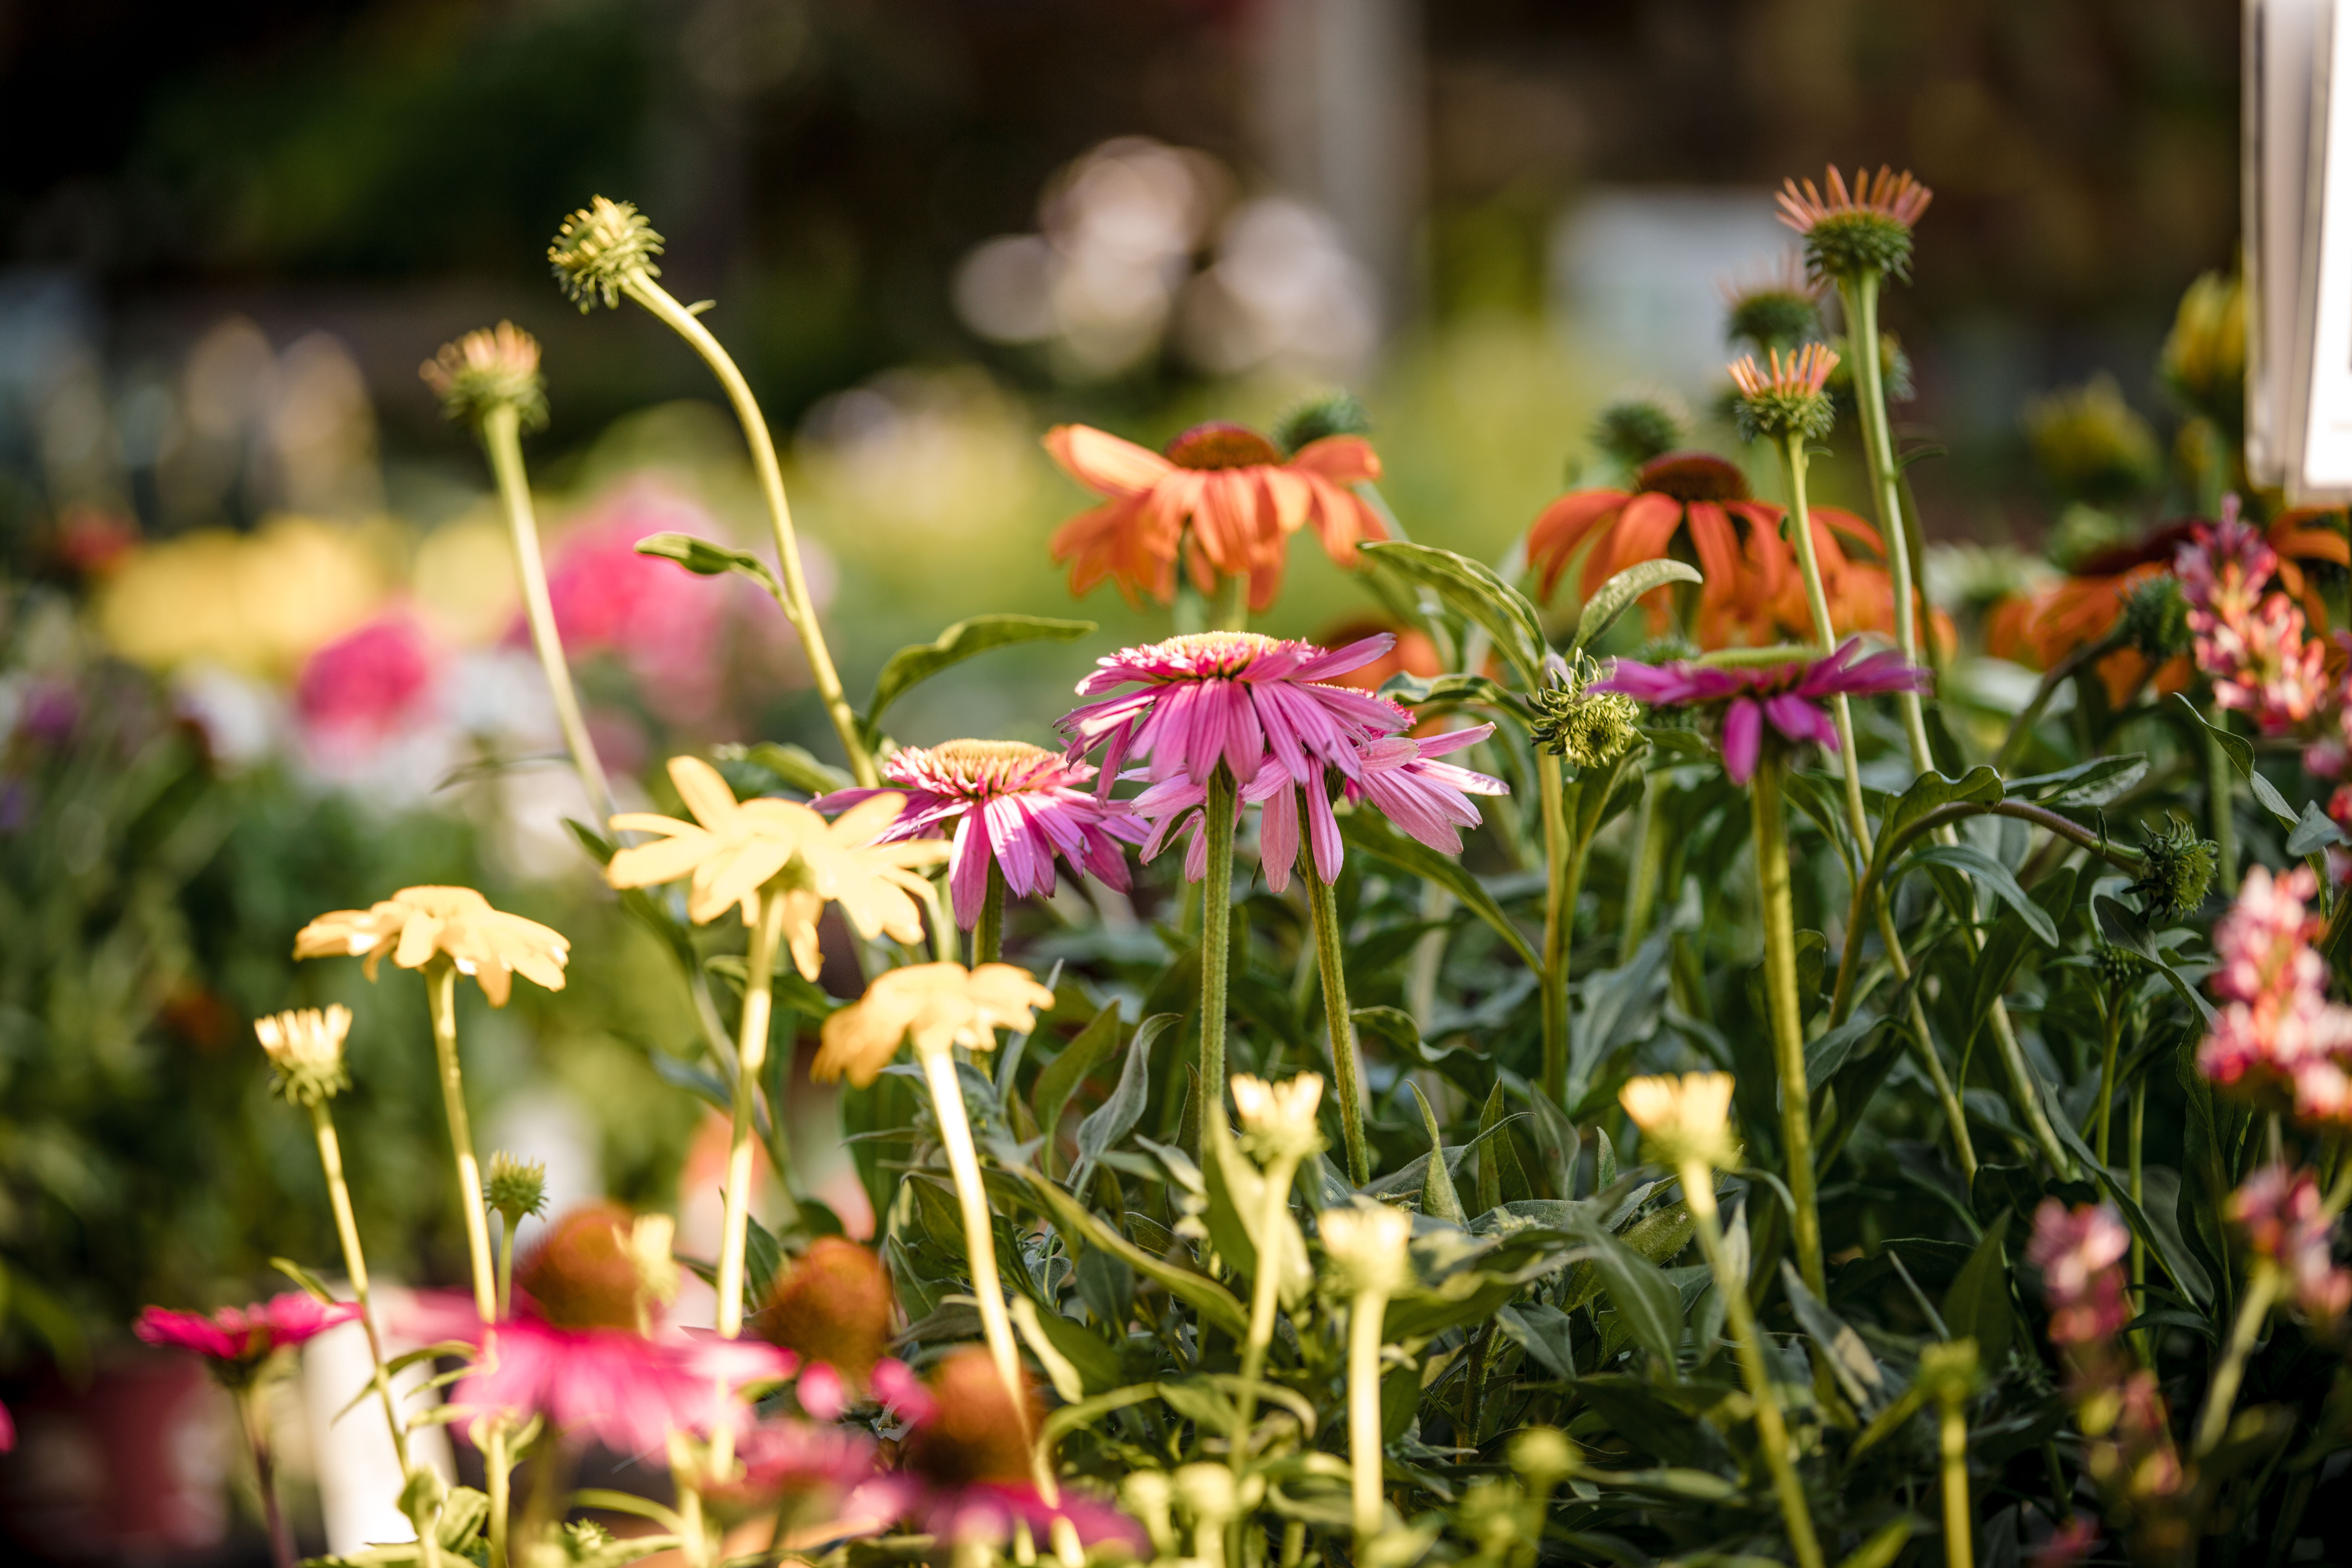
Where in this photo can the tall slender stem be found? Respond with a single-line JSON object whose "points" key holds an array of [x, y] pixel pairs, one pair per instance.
{"points": [[1772, 1429], [506, 1266], [988, 937], [264, 1474], [502, 440], [347, 1231], [2112, 1036], [1788, 1025], [798, 606], [751, 1059], [1273, 1214], [498, 1479], [1230, 611], [1560, 921], [979, 1245], [1952, 1432], [2221, 1394], [2219, 790], [1347, 1074], [441, 991], [1216, 945], [1649, 868], [2135, 1132], [1859, 294], [1366, 1456]]}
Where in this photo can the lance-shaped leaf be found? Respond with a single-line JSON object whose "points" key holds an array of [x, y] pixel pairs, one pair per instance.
{"points": [[706, 558], [2241, 757], [1059, 1079], [1437, 1195], [918, 662], [1615, 597], [1997, 879], [1473, 589], [1115, 1118], [1202, 1294]]}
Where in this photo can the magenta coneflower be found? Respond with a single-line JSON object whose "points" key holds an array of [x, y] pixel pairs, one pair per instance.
{"points": [[1427, 798], [1231, 697], [1014, 805], [1788, 696], [237, 1341]]}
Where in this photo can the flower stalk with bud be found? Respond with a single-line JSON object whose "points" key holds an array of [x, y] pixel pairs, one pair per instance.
{"points": [[1948, 1372], [1367, 1245], [1686, 1124], [1278, 1129], [606, 250]]}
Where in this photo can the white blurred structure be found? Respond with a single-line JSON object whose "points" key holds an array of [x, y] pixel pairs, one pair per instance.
{"points": [[1639, 275], [351, 1451]]}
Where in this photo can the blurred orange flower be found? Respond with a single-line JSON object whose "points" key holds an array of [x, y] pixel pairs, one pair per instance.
{"points": [[416, 924]]}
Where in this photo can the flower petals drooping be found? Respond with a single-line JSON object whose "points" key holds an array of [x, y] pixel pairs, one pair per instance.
{"points": [[1744, 698], [934, 1006], [418, 924], [237, 1341], [1226, 489]]}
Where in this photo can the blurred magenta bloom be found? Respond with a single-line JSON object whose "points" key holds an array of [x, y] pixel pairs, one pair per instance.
{"points": [[2284, 1222], [357, 690], [2277, 1034], [1785, 696], [2077, 1250], [788, 1456], [1013, 806], [235, 1341]]}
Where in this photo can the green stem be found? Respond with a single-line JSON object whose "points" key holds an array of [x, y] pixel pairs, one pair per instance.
{"points": [[1347, 1074], [1859, 294], [502, 440], [1649, 869], [441, 991], [1230, 612], [980, 1246], [347, 1231], [988, 937], [2112, 1037], [1952, 1429], [2134, 1130], [1274, 1214], [506, 1266], [798, 606], [1216, 945], [1366, 1457], [1788, 1025], [2262, 1290], [2218, 789], [497, 1473], [264, 1475], [1559, 920], [750, 1058], [1772, 1429]]}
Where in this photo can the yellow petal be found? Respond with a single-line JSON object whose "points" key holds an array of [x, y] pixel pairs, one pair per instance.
{"points": [[704, 793]]}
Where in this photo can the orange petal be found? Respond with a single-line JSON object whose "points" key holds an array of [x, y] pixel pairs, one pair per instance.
{"points": [[1852, 527], [1560, 527], [1104, 463], [1342, 459], [1642, 534]]}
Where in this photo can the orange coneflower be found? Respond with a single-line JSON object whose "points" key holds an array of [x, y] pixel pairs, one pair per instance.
{"points": [[1753, 592], [1866, 229], [1226, 489]]}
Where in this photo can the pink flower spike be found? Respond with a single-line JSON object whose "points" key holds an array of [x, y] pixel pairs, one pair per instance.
{"points": [[2077, 1251], [2281, 1214]]}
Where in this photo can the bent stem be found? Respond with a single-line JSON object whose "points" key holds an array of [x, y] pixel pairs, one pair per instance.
{"points": [[2262, 1290], [751, 1059], [501, 433], [1365, 1455], [798, 606], [1217, 943], [1347, 1075], [347, 1230], [980, 1246], [1771, 1430], [1559, 920], [441, 991], [1788, 1026]]}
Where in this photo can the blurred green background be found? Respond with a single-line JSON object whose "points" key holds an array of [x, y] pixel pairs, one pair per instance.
{"points": [[230, 234]]}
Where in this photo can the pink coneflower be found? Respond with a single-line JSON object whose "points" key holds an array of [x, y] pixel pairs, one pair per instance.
{"points": [[1231, 697], [1427, 798], [2281, 1215], [2077, 1250], [1014, 805], [787, 1457], [237, 1341], [1788, 696], [1228, 487]]}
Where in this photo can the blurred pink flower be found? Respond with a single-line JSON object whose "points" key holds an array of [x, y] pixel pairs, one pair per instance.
{"points": [[2077, 1250], [787, 1456], [7, 1431], [2278, 1034], [235, 1341], [2070, 1544], [2263, 665], [1787, 696], [359, 689], [2224, 569], [2281, 1212]]}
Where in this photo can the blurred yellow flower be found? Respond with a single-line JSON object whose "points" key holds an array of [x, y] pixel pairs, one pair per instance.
{"points": [[1278, 1119], [734, 848], [416, 924], [1684, 1118], [259, 603], [306, 1046], [1367, 1243], [936, 1005]]}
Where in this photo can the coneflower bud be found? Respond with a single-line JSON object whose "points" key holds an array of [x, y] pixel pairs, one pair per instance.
{"points": [[1779, 311], [833, 1306], [491, 367], [600, 249], [1686, 1118], [1866, 230], [1947, 1372], [1543, 1458], [2118, 967], [306, 1046], [1278, 1119], [2178, 872], [2156, 619], [513, 1188], [1633, 430], [1332, 414], [1148, 1495], [1784, 396], [1588, 729]]}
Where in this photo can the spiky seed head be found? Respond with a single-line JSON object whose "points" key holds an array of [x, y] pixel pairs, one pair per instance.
{"points": [[513, 1188], [491, 367], [2177, 871], [306, 1046], [1330, 414], [1784, 397], [1778, 311], [1866, 229], [601, 248], [1633, 430], [2156, 619], [1590, 728]]}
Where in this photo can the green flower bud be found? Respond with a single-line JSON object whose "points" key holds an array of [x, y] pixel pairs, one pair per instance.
{"points": [[512, 1187], [1784, 397], [1633, 430], [1543, 1457], [2118, 967], [2178, 872], [492, 368], [601, 248], [306, 1046], [1948, 1373], [2156, 619], [1332, 414], [1589, 730]]}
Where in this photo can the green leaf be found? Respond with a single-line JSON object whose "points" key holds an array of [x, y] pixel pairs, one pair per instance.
{"points": [[1883, 1548], [1850, 1362], [1979, 786], [762, 1257], [1058, 1079], [1437, 1195], [1115, 1118], [1499, 1176], [1998, 879], [1077, 1363], [1475, 590], [1644, 1298], [2164, 1240], [795, 767], [2093, 782], [1615, 597], [918, 662], [1202, 1294], [2126, 927], [2241, 755], [1543, 1332], [705, 559], [1416, 691], [2314, 831], [1978, 1306], [1371, 834], [311, 1283]]}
